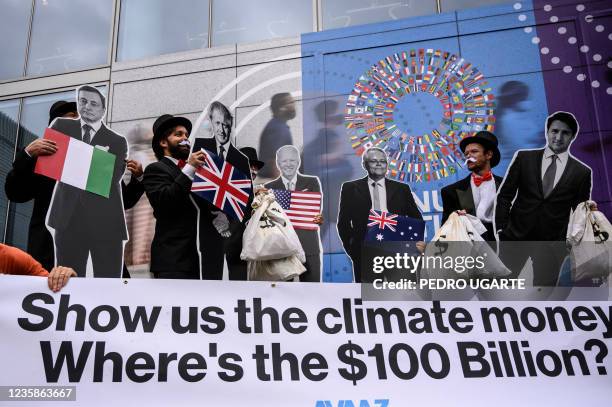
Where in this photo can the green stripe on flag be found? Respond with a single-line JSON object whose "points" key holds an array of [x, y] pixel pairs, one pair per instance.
{"points": [[100, 172]]}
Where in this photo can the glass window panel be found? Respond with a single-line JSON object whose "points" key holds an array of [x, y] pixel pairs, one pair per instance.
{"points": [[344, 13], [9, 109], [69, 35], [14, 22], [240, 21], [34, 121], [452, 5], [145, 29]]}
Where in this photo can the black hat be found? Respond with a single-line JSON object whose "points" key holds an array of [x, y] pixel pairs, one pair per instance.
{"points": [[163, 124], [485, 139], [251, 154], [60, 108]]}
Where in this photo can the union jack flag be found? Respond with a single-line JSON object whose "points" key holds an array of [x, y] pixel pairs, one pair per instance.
{"points": [[383, 220], [223, 185]]}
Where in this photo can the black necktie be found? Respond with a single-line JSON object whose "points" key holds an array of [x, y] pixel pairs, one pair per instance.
{"points": [[548, 182], [221, 151], [87, 134]]}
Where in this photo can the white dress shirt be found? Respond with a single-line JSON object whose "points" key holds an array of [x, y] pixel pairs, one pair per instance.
{"points": [[226, 147], [484, 199], [95, 126], [561, 163], [188, 169], [290, 183], [382, 193]]}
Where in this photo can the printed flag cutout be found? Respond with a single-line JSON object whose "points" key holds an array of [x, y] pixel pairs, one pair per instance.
{"points": [[223, 185], [384, 226], [78, 164], [300, 206]]}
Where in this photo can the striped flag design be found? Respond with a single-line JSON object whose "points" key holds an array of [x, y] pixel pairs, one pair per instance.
{"points": [[78, 164], [300, 206]]}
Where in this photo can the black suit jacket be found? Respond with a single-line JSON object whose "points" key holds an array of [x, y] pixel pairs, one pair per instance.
{"points": [[459, 196], [174, 246], [531, 216], [68, 201], [23, 185], [355, 205], [310, 240]]}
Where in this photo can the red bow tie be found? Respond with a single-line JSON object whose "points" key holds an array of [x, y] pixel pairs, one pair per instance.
{"points": [[479, 180], [181, 164]]}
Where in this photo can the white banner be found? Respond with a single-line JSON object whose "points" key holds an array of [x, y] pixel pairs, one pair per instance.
{"points": [[205, 343]]}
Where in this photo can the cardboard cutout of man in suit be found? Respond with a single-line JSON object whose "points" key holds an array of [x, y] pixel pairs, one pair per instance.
{"points": [[85, 223], [476, 193], [539, 190], [23, 184], [216, 230], [174, 250], [288, 162], [374, 191]]}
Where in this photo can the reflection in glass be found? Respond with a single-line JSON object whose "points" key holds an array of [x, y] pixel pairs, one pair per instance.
{"points": [[247, 21], [146, 30], [8, 131], [451, 5], [344, 13], [69, 35], [14, 21]]}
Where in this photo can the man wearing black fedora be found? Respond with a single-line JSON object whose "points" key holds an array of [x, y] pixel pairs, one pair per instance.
{"points": [[174, 250], [475, 194]]}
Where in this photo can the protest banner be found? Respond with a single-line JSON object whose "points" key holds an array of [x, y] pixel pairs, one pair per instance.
{"points": [[294, 344]]}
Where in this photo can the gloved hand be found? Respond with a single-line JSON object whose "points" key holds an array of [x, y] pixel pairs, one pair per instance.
{"points": [[221, 223]]}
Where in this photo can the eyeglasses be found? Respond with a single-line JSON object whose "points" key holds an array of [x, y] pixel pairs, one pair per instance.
{"points": [[377, 161]]}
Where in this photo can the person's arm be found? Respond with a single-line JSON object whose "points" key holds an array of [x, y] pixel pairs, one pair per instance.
{"points": [[134, 189], [507, 193], [344, 219], [21, 183], [162, 191], [413, 209], [448, 204], [584, 193]]}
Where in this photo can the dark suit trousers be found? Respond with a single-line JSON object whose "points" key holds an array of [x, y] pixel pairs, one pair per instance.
{"points": [[74, 243], [313, 269], [546, 256], [214, 248]]}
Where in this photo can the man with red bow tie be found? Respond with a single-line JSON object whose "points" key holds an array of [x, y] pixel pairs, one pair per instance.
{"points": [[476, 193]]}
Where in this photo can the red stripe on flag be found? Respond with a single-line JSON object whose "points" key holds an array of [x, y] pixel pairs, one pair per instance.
{"points": [[52, 165]]}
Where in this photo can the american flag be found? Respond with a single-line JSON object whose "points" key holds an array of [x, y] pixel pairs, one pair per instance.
{"points": [[223, 185], [300, 206]]}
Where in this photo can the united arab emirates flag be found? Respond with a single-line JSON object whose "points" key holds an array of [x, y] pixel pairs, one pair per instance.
{"points": [[78, 164]]}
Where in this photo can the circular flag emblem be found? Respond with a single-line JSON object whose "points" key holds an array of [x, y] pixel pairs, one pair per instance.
{"points": [[428, 150]]}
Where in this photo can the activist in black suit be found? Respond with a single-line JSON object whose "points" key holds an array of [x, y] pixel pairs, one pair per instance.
{"points": [[534, 202], [476, 193], [218, 235], [174, 251], [288, 162], [23, 185], [372, 192], [84, 222]]}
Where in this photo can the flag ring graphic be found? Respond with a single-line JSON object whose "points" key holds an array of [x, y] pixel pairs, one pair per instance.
{"points": [[467, 102]]}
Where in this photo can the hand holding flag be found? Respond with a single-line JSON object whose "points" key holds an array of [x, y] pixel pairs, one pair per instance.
{"points": [[77, 163], [223, 185]]}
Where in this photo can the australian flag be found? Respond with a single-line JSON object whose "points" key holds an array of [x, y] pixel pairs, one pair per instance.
{"points": [[223, 185], [388, 227]]}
